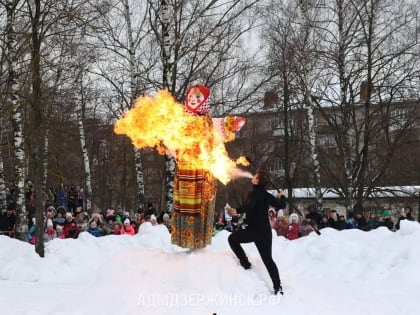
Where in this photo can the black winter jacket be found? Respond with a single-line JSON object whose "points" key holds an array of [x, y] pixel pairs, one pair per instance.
{"points": [[256, 209]]}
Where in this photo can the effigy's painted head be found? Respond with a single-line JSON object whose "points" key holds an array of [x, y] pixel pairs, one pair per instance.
{"points": [[197, 99]]}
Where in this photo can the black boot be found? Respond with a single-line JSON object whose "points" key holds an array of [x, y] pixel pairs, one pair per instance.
{"points": [[246, 264], [278, 289]]}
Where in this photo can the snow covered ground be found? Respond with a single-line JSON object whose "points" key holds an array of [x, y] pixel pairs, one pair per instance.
{"points": [[347, 272]]}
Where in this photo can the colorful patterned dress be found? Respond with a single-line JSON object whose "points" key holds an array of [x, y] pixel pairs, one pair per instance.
{"points": [[194, 202], [195, 188]]}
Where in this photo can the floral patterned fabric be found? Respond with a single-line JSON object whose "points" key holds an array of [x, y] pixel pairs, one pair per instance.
{"points": [[192, 221]]}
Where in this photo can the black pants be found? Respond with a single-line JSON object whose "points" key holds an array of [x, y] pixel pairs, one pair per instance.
{"points": [[263, 244]]}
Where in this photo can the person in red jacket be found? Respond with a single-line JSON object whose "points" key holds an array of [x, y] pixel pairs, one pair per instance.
{"points": [[127, 228], [70, 229], [282, 225], [293, 230]]}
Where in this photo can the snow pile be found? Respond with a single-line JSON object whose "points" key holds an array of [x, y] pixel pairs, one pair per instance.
{"points": [[347, 272]]}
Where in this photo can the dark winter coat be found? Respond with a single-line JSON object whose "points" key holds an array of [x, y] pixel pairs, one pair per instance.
{"points": [[341, 224], [150, 211], [361, 222], [315, 216], [323, 225], [333, 223], [387, 223], [71, 230], [7, 222], [256, 209], [408, 217], [372, 224]]}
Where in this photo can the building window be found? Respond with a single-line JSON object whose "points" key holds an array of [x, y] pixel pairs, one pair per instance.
{"points": [[327, 141], [276, 167], [277, 127], [399, 118], [320, 121]]}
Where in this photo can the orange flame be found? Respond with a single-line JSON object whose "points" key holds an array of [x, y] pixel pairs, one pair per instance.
{"points": [[160, 122], [242, 160]]}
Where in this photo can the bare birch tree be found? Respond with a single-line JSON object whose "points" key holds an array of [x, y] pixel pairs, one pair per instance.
{"points": [[200, 41], [15, 102], [370, 56], [122, 41], [306, 71], [45, 19], [80, 110], [282, 35]]}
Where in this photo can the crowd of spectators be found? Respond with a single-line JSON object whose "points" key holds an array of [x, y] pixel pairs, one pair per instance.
{"points": [[295, 226], [61, 223], [66, 218]]}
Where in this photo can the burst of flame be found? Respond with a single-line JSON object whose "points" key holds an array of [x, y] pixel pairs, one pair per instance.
{"points": [[242, 160], [160, 122]]}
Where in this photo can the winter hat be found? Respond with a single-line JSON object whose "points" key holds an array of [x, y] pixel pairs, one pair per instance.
{"points": [[127, 221], [49, 223], [69, 215], [294, 218], [96, 215], [204, 107], [33, 221], [153, 217], [61, 210], [51, 208], [93, 224], [165, 216], [280, 213], [126, 213]]}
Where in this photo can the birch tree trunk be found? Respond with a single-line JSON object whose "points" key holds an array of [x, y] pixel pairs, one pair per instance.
{"points": [[347, 108], [45, 160], [304, 7], [17, 120], [3, 200], [170, 164], [133, 95], [314, 157], [85, 153]]}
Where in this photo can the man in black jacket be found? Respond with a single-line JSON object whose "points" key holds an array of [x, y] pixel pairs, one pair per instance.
{"points": [[257, 227], [7, 222]]}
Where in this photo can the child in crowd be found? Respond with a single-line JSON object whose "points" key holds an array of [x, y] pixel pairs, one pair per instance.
{"points": [[70, 229], [59, 231], [93, 229], [167, 221], [282, 225], [30, 236], [305, 228], [293, 230], [116, 228], [127, 228], [153, 220], [50, 232]]}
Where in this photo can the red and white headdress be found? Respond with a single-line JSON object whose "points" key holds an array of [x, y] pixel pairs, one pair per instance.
{"points": [[204, 107]]}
